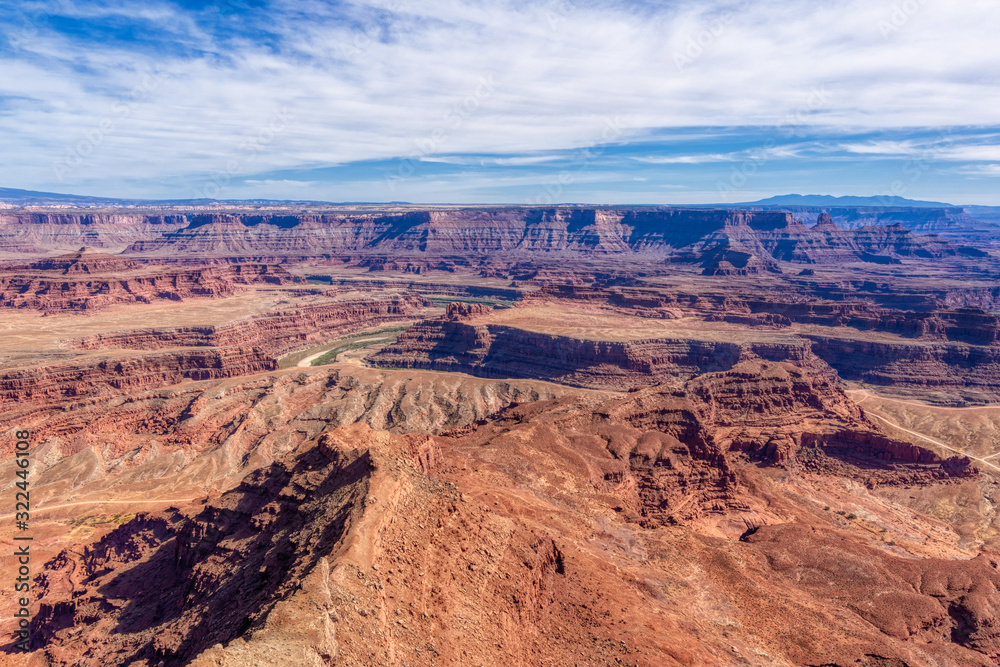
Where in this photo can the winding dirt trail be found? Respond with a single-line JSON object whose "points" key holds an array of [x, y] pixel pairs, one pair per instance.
{"points": [[167, 501], [934, 441], [866, 395]]}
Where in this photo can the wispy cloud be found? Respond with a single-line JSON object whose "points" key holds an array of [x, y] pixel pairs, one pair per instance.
{"points": [[368, 80], [991, 170], [687, 159], [882, 148], [947, 148], [281, 183]]}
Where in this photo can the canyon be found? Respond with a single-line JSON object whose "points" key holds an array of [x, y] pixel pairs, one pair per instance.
{"points": [[409, 435], [748, 240]]}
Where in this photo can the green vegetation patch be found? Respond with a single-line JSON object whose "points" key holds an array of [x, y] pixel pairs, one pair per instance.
{"points": [[331, 356], [443, 301], [347, 343]]}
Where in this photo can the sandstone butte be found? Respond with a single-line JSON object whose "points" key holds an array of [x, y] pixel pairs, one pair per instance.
{"points": [[561, 436]]}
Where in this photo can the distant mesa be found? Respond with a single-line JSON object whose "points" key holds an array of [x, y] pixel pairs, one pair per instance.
{"points": [[829, 200], [84, 281], [85, 261], [825, 223], [417, 241]]}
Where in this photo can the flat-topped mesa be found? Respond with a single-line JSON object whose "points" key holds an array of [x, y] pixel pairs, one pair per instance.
{"points": [[276, 333], [112, 376], [973, 324], [460, 310], [940, 373], [956, 353], [242, 347], [41, 233], [500, 351], [921, 220], [81, 291], [85, 261]]}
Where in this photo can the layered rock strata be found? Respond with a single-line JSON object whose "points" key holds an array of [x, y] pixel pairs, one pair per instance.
{"points": [[274, 332], [491, 350], [940, 362], [111, 376], [717, 240], [66, 289]]}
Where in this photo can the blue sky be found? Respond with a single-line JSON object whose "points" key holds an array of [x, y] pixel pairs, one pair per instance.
{"points": [[592, 101]]}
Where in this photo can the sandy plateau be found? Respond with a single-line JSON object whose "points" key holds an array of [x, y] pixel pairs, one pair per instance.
{"points": [[520, 437]]}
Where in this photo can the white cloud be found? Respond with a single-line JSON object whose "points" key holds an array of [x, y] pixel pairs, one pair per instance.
{"points": [[687, 159], [992, 170], [882, 148], [281, 183], [521, 161], [411, 84], [943, 149], [972, 153]]}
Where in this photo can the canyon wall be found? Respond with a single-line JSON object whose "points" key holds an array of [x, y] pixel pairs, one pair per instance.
{"points": [[719, 240], [40, 233], [110, 377], [960, 314], [274, 332], [499, 351], [56, 292], [242, 347], [974, 369], [943, 362]]}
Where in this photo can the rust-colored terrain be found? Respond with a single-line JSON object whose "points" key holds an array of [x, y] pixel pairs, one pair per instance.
{"points": [[503, 436]]}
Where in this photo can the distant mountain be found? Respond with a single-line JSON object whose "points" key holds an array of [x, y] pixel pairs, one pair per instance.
{"points": [[844, 202], [925, 217], [16, 197], [27, 197]]}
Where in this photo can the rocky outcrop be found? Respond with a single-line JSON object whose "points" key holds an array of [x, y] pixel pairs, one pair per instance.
{"points": [[68, 286], [867, 445], [250, 545], [111, 376], [491, 350], [293, 544], [85, 260], [682, 446], [274, 332], [362, 547], [459, 310]]}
